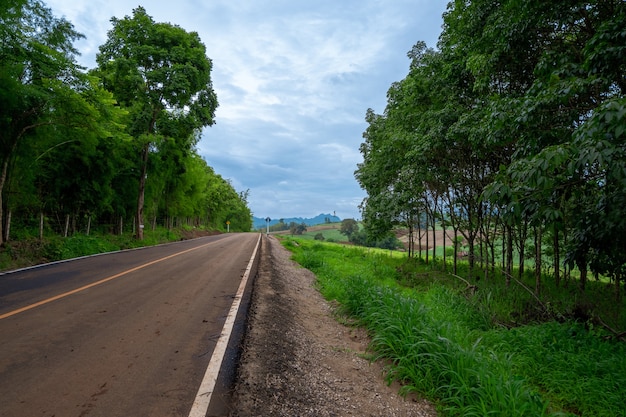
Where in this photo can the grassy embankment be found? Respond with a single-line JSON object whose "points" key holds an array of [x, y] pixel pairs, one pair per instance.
{"points": [[27, 251], [475, 351]]}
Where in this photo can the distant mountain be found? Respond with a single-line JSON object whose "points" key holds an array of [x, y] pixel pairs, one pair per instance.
{"points": [[258, 222]]}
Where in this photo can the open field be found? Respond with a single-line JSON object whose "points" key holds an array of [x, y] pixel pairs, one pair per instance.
{"points": [[331, 232]]}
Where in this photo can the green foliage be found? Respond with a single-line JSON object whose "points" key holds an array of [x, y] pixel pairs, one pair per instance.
{"points": [[513, 129], [386, 241], [442, 342], [82, 144], [331, 234], [30, 251], [40, 86], [349, 227], [160, 73], [552, 355], [58, 248], [160, 68], [297, 229]]}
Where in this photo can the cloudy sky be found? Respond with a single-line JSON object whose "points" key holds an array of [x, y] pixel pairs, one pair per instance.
{"points": [[294, 79]]}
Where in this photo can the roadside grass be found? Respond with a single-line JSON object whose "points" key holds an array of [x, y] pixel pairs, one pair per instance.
{"points": [[30, 250], [453, 347]]}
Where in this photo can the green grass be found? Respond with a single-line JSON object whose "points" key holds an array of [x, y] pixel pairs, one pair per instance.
{"points": [[31, 251], [330, 235], [451, 347]]}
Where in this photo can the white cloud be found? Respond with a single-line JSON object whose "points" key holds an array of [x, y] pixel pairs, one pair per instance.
{"points": [[293, 80]]}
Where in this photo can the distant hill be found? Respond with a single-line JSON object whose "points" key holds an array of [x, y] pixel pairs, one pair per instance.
{"points": [[258, 222]]}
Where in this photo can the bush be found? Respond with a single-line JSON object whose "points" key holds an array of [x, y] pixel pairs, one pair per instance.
{"points": [[390, 241]]}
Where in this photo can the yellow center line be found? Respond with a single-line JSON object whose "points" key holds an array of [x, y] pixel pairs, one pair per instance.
{"points": [[93, 284]]}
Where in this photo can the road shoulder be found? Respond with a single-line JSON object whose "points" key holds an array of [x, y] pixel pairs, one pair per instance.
{"points": [[299, 361]]}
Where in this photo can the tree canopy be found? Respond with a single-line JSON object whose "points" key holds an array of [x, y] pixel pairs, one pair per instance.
{"points": [[77, 144], [161, 74], [513, 127]]}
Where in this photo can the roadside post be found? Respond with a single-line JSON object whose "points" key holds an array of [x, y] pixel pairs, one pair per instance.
{"points": [[227, 226], [268, 220]]}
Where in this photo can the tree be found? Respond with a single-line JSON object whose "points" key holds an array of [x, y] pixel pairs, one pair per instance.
{"points": [[161, 74], [222, 202], [518, 123], [41, 87], [349, 227], [567, 172], [297, 229]]}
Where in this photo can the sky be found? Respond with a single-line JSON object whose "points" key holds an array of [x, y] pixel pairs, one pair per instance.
{"points": [[294, 80]]}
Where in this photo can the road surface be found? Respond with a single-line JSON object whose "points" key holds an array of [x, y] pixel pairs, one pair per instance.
{"points": [[124, 334]]}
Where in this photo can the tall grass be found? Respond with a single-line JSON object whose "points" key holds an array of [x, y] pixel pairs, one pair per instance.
{"points": [[448, 347]]}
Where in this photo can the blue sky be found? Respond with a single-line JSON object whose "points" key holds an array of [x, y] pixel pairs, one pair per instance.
{"points": [[293, 79]]}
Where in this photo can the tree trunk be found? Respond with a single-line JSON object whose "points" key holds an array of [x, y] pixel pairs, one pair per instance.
{"points": [[88, 225], [503, 249], [434, 238], [481, 252], [522, 250], [419, 237], [411, 241], [142, 188], [67, 224], [537, 261], [491, 258], [41, 225], [3, 179], [426, 233], [509, 255], [444, 247], [8, 229], [456, 250], [557, 259], [472, 257]]}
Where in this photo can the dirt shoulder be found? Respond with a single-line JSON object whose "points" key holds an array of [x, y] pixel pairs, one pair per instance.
{"points": [[299, 361]]}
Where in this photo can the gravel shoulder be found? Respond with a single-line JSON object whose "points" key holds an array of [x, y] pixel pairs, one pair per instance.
{"points": [[298, 360]]}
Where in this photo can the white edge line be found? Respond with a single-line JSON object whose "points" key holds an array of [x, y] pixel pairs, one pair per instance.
{"points": [[203, 397]]}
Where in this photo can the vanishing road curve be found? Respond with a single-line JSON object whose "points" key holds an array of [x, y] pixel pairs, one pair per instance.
{"points": [[123, 334]]}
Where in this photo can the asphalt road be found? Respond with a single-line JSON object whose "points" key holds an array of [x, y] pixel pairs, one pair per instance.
{"points": [[124, 334]]}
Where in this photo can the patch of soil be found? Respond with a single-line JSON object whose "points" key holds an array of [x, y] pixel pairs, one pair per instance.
{"points": [[298, 360], [403, 236]]}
